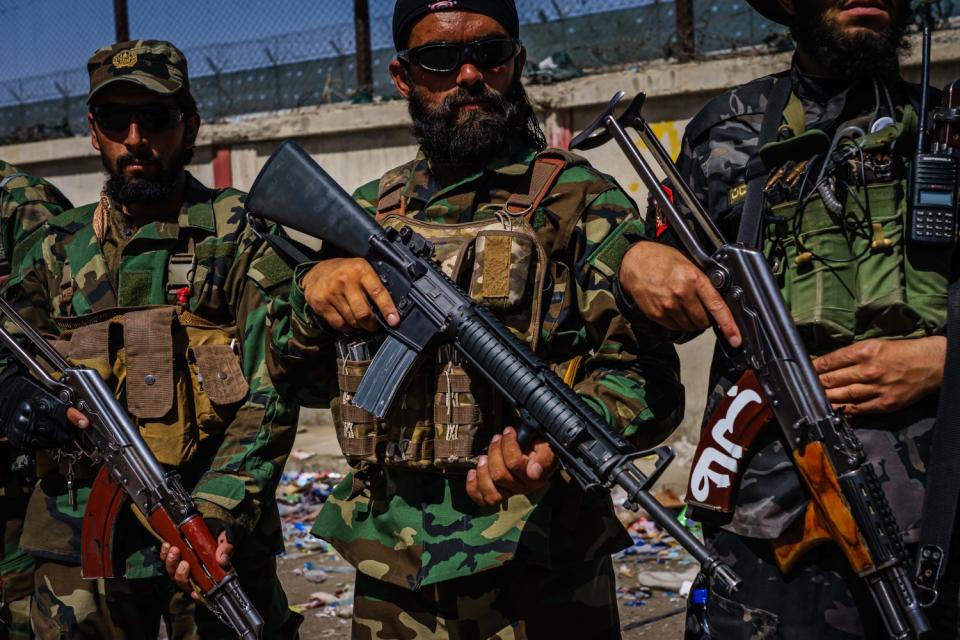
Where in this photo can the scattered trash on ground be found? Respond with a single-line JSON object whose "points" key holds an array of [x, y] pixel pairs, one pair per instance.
{"points": [[299, 499], [679, 582], [338, 604]]}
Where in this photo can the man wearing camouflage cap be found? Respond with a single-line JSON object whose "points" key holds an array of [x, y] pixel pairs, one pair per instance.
{"points": [[870, 306], [457, 532], [161, 269], [26, 202]]}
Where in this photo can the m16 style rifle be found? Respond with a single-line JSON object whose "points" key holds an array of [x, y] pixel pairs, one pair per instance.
{"points": [[847, 505], [292, 190], [130, 471]]}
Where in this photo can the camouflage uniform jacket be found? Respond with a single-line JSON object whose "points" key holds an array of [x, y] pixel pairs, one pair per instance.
{"points": [[26, 202], [67, 272], [414, 529], [717, 145]]}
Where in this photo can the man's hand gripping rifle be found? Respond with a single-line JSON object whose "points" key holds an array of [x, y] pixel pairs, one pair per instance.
{"points": [[292, 190], [847, 504], [129, 467]]}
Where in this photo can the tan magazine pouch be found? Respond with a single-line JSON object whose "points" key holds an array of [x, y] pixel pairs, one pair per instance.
{"points": [[179, 375]]}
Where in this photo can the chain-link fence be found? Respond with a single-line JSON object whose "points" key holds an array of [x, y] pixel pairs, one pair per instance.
{"points": [[249, 56]]}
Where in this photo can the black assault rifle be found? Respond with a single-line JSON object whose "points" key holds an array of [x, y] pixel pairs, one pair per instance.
{"points": [[292, 190], [847, 504], [130, 472]]}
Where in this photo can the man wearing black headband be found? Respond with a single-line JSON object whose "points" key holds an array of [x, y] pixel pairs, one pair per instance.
{"points": [[853, 288], [455, 531]]}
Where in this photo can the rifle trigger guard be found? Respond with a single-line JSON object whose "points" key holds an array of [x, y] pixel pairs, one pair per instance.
{"points": [[664, 456]]}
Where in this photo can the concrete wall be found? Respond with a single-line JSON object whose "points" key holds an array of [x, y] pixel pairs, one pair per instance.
{"points": [[357, 143]]}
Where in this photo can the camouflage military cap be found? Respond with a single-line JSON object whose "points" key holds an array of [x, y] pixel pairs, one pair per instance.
{"points": [[771, 10], [156, 65]]}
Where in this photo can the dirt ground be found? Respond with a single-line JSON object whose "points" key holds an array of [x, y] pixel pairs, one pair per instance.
{"points": [[644, 613]]}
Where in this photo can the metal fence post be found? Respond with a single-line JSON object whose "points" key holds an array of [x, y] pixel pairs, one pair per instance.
{"points": [[120, 20], [361, 21], [686, 38]]}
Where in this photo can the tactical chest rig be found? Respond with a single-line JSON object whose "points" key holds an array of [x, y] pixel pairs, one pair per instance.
{"points": [[179, 374], [834, 236], [444, 419], [840, 251]]}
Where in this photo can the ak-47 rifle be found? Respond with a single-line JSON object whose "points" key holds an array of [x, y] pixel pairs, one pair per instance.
{"points": [[847, 504], [130, 471], [292, 190]]}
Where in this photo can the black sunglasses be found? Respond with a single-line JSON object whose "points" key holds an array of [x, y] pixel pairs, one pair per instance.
{"points": [[150, 117], [445, 57]]}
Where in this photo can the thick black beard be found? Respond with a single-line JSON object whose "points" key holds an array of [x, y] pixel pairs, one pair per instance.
{"points": [[123, 190], [473, 138], [857, 57]]}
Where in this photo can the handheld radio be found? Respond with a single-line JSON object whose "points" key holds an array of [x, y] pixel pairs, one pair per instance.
{"points": [[933, 172]]}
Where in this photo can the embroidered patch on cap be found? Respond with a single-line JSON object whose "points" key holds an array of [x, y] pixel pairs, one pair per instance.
{"points": [[443, 4], [124, 59]]}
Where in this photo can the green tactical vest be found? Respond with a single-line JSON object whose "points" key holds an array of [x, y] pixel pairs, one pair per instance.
{"points": [[848, 275]]}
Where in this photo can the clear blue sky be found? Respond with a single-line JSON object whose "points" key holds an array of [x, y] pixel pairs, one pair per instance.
{"points": [[48, 36]]}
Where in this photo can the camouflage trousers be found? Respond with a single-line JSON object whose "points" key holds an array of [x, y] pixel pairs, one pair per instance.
{"points": [[514, 602], [15, 620], [67, 606], [820, 600], [16, 581]]}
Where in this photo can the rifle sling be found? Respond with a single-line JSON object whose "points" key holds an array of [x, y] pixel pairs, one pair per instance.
{"points": [[752, 216], [943, 475]]}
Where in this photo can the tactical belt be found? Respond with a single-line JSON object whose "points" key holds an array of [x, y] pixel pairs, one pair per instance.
{"points": [[943, 476]]}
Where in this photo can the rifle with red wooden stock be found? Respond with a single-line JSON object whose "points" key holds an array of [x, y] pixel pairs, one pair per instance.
{"points": [[847, 505], [130, 472]]}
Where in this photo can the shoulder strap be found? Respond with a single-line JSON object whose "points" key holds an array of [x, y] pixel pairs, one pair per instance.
{"points": [[546, 169], [391, 201], [749, 233], [390, 193], [943, 472]]}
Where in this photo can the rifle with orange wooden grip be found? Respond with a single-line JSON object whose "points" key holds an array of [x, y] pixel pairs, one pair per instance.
{"points": [[130, 472], [847, 505]]}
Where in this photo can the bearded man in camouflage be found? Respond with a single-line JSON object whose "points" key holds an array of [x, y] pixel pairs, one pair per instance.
{"points": [[850, 290], [454, 529], [161, 287], [26, 202]]}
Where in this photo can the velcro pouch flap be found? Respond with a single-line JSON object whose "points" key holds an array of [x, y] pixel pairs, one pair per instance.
{"points": [[220, 370], [148, 339]]}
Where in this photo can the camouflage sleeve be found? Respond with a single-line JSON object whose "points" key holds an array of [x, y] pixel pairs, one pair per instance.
{"points": [[631, 380], [31, 275], [26, 202], [246, 469], [298, 340]]}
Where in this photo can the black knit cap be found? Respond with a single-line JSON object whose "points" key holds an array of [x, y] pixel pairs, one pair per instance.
{"points": [[406, 13]]}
